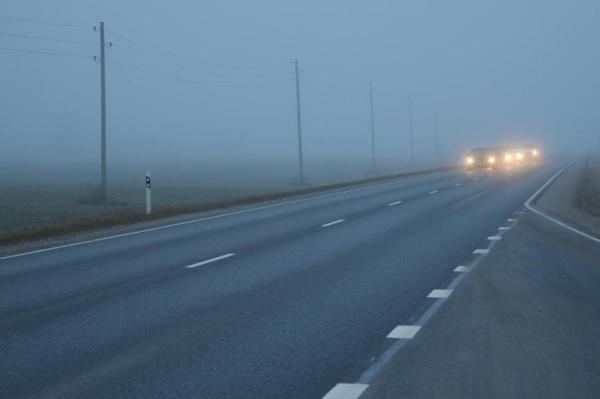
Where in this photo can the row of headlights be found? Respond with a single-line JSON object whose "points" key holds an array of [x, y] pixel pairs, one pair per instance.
{"points": [[508, 157]]}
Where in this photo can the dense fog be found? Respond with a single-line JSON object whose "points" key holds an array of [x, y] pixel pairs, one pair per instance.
{"points": [[191, 81]]}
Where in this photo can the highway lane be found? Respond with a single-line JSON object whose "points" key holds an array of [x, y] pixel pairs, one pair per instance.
{"points": [[524, 324], [298, 308]]}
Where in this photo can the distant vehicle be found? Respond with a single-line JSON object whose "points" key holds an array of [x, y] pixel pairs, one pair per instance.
{"points": [[482, 158], [527, 154], [510, 156], [531, 154]]}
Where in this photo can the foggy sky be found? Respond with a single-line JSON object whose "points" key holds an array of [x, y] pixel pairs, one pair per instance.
{"points": [[497, 71]]}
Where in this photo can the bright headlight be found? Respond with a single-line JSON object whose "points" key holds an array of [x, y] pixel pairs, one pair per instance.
{"points": [[508, 157], [491, 160], [519, 156], [535, 153], [470, 160]]}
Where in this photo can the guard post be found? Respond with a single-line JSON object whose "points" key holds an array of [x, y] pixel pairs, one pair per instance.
{"points": [[148, 193]]}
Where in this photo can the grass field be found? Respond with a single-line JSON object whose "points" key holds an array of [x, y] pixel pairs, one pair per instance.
{"points": [[34, 200]]}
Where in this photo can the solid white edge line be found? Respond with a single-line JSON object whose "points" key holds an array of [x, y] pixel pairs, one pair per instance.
{"points": [[333, 223], [346, 391], [550, 218], [394, 203], [211, 260], [221, 215]]}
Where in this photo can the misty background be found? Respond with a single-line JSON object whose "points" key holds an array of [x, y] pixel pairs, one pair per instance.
{"points": [[209, 85]]}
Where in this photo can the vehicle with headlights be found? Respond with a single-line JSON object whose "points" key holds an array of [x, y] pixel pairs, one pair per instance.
{"points": [[510, 156], [521, 155], [531, 154], [482, 158]]}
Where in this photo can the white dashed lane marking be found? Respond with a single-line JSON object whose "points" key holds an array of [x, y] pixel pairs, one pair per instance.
{"points": [[481, 252], [346, 391], [404, 332], [462, 269], [439, 294], [433, 192], [511, 220], [333, 223], [503, 228], [494, 238], [206, 262], [458, 184], [394, 203]]}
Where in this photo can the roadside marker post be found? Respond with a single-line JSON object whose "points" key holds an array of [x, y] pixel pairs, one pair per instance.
{"points": [[148, 193]]}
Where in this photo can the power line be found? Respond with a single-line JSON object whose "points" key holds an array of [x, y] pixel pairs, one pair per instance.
{"points": [[46, 38], [39, 22], [158, 75], [15, 50], [155, 48], [152, 47], [179, 66], [152, 58]]}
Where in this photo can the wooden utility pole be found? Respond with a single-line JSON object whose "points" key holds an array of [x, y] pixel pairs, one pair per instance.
{"points": [[372, 127], [102, 114], [300, 155]]}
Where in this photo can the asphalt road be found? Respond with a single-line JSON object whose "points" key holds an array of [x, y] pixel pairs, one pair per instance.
{"points": [[283, 301], [524, 324]]}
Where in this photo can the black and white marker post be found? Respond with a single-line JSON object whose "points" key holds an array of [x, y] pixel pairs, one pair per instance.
{"points": [[148, 193]]}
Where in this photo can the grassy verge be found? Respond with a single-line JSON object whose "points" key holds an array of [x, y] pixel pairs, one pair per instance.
{"points": [[63, 219], [588, 188]]}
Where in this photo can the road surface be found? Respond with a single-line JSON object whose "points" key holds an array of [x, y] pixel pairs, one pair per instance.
{"points": [[524, 324], [280, 301]]}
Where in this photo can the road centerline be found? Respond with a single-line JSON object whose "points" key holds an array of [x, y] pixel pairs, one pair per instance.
{"points": [[211, 260], [333, 223]]}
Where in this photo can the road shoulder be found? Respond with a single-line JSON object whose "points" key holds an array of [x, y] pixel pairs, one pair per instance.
{"points": [[574, 197]]}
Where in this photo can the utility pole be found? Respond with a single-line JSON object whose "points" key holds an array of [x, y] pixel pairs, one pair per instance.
{"points": [[372, 127], [103, 113], [437, 138], [410, 131], [300, 156]]}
